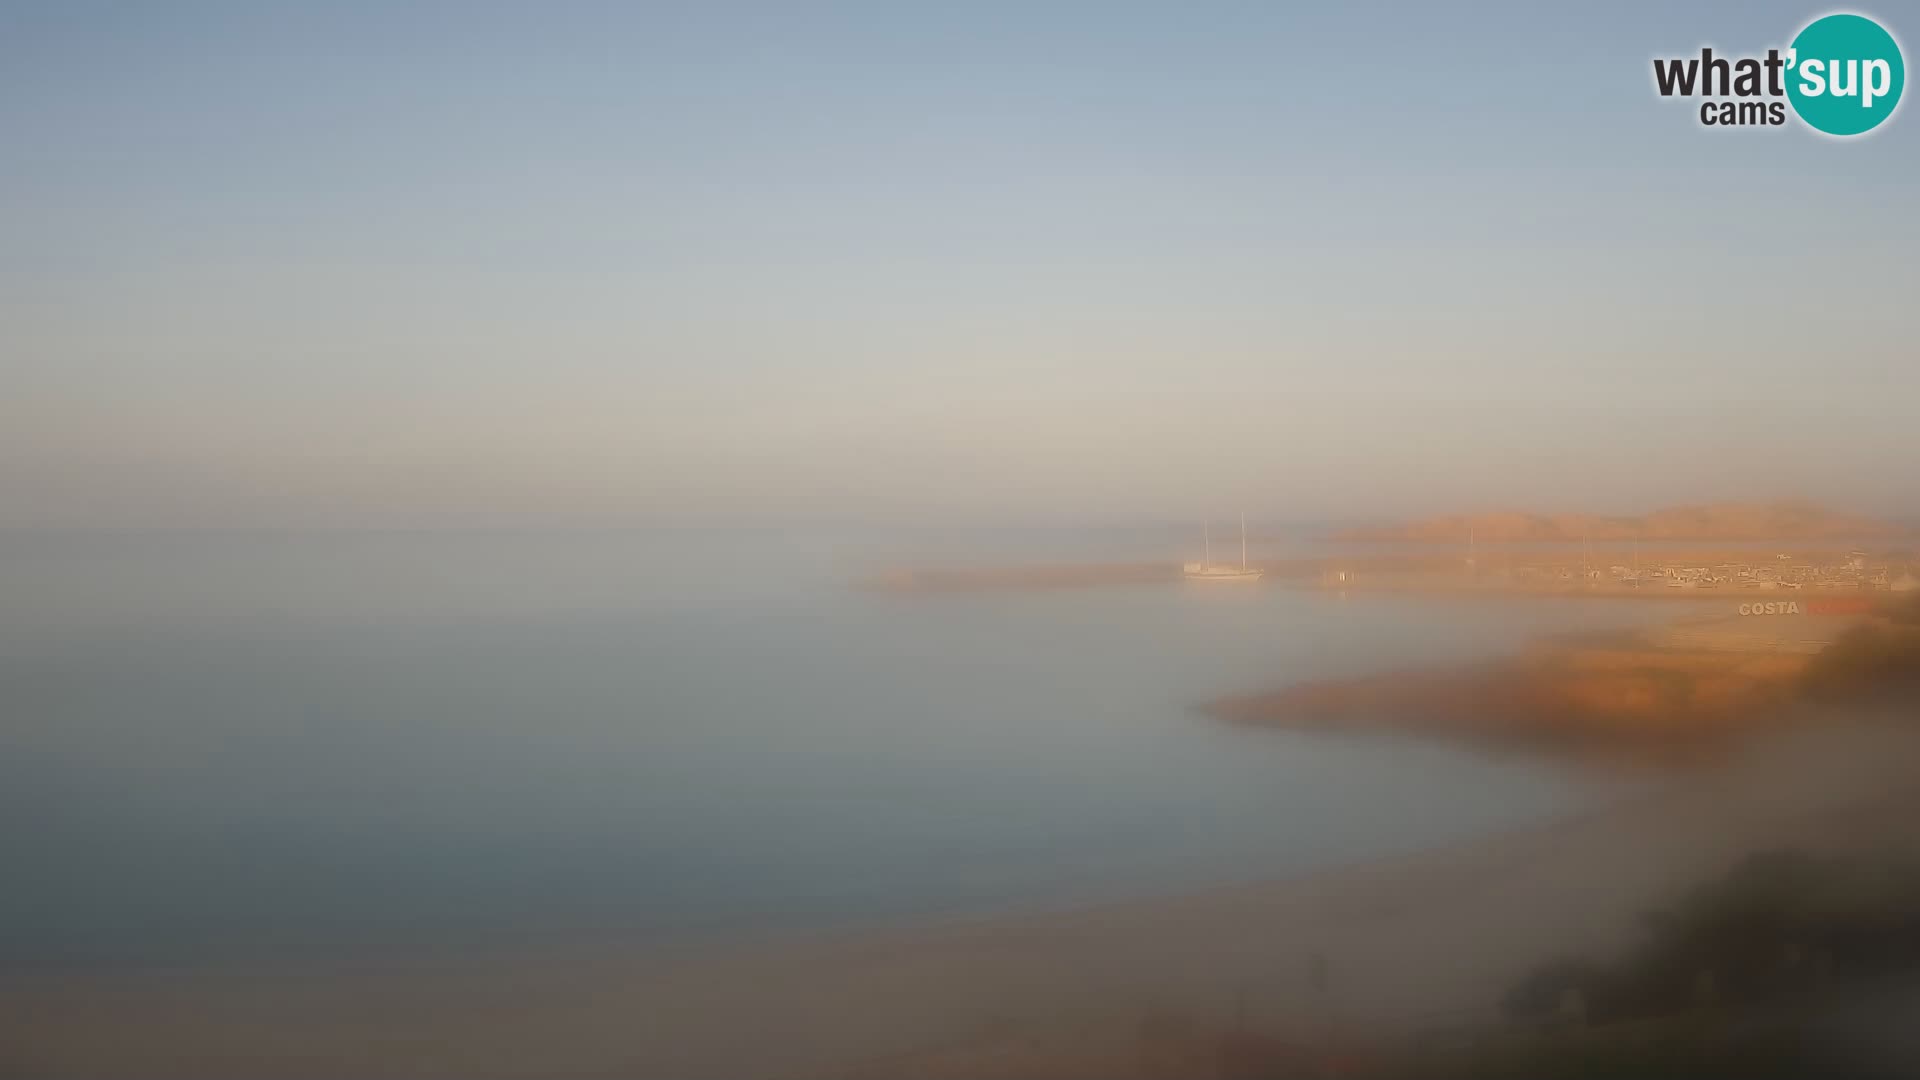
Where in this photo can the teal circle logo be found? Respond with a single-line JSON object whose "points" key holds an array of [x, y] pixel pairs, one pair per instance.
{"points": [[1845, 74]]}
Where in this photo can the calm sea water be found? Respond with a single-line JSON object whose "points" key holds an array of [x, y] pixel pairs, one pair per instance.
{"points": [[238, 745]]}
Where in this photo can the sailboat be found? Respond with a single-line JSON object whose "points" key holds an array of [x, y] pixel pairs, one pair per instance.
{"points": [[1206, 570]]}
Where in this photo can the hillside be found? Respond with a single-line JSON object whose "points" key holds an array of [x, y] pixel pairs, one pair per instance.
{"points": [[1718, 521], [1622, 700]]}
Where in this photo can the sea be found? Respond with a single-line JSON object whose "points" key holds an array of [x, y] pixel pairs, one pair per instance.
{"points": [[233, 747]]}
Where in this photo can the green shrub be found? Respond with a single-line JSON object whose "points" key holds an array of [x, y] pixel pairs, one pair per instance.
{"points": [[1872, 658], [1778, 924]]}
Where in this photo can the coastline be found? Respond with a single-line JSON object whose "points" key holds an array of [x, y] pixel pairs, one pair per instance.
{"points": [[1407, 943], [1678, 572], [1624, 700]]}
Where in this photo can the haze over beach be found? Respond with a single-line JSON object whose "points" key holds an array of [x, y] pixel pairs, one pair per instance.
{"points": [[857, 540]]}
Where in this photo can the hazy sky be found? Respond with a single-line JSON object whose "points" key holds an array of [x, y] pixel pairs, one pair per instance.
{"points": [[340, 263]]}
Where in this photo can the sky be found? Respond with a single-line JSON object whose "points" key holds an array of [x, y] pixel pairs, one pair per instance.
{"points": [[339, 264]]}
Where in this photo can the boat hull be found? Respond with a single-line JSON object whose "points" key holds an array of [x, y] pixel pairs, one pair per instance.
{"points": [[1222, 575]]}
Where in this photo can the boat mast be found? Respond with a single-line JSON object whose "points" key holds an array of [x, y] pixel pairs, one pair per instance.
{"points": [[1206, 531], [1243, 538]]}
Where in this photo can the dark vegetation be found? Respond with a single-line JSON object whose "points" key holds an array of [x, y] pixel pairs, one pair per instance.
{"points": [[1739, 979], [1789, 967], [1779, 925], [1876, 658], [1685, 1049]]}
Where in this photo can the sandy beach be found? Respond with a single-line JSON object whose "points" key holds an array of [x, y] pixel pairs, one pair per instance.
{"points": [[1135, 988]]}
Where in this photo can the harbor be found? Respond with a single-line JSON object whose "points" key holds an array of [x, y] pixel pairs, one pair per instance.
{"points": [[1685, 574]]}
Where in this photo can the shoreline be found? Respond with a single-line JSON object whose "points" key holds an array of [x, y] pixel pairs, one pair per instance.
{"points": [[1410, 942], [1593, 700], [1598, 574]]}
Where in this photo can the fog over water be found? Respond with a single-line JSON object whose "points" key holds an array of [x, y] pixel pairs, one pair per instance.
{"points": [[250, 744]]}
